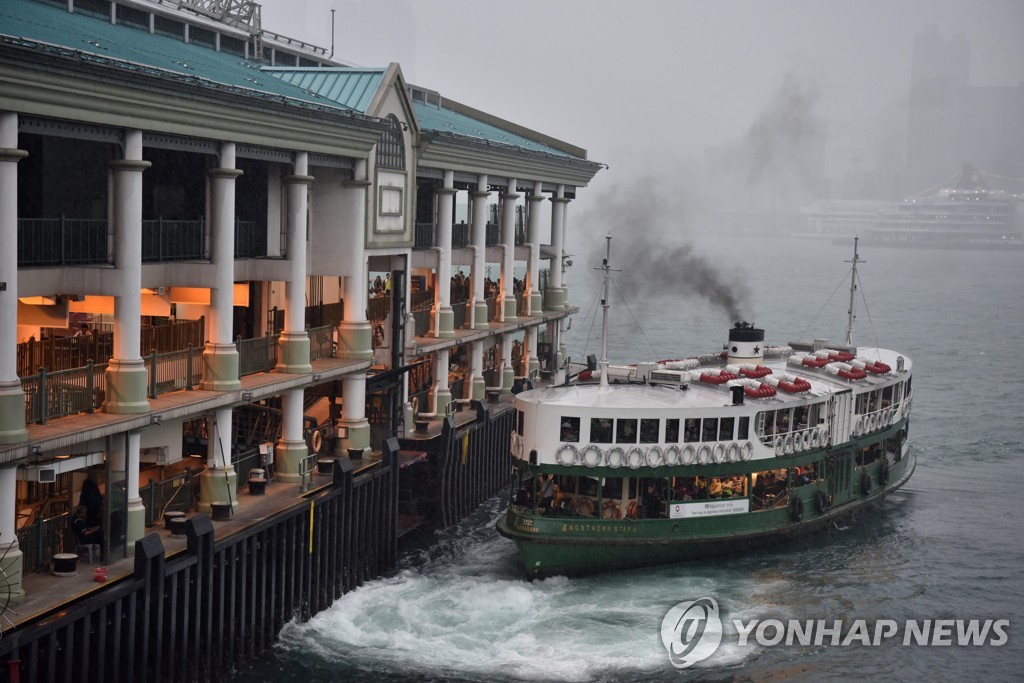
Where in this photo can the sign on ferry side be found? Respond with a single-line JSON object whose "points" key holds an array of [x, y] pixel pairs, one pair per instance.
{"points": [[708, 508]]}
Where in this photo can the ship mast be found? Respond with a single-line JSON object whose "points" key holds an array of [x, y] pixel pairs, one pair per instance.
{"points": [[606, 269], [851, 316]]}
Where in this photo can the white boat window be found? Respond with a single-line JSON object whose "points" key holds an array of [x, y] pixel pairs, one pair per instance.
{"points": [[725, 428], [710, 432], [601, 429], [649, 429], [672, 431], [570, 430], [692, 429], [744, 430], [625, 431]]}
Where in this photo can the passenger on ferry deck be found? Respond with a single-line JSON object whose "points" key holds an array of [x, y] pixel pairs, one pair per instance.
{"points": [[652, 502], [547, 493]]}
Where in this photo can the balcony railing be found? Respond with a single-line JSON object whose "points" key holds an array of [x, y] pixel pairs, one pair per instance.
{"points": [[424, 236], [62, 241], [460, 235], [41, 540], [172, 240], [64, 392], [257, 355], [250, 240], [321, 342], [174, 370], [377, 309]]}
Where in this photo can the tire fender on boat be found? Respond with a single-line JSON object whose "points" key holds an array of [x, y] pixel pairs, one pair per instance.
{"points": [[815, 438], [823, 436], [858, 428], [780, 445], [883, 472], [672, 455], [746, 451], [704, 454], [821, 503], [567, 455], [614, 457], [807, 439], [718, 453], [689, 455], [655, 456], [796, 508], [789, 446], [733, 453], [592, 456], [635, 458], [865, 483]]}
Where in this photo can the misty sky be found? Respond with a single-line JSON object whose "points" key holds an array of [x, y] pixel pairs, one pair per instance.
{"points": [[649, 86]]}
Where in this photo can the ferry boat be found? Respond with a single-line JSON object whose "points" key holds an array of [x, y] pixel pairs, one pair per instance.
{"points": [[657, 463]]}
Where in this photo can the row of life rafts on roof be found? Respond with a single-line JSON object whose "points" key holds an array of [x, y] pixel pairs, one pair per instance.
{"points": [[840, 364], [594, 455], [757, 381]]}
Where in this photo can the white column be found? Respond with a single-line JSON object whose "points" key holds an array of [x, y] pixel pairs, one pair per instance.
{"points": [[479, 229], [354, 331], [292, 448], [532, 362], [135, 518], [477, 386], [10, 552], [12, 398], [532, 297], [126, 371], [444, 318], [442, 392], [508, 372], [293, 354], [220, 358], [508, 229]]}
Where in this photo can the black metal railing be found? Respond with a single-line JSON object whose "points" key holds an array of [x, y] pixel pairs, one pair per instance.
{"points": [[62, 241], [173, 240], [460, 235], [250, 240], [424, 236], [64, 392]]}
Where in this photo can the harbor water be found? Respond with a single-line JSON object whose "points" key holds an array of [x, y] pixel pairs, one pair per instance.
{"points": [[945, 547]]}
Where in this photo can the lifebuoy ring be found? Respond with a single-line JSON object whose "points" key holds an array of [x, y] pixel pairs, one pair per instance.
{"points": [[787, 447], [704, 454], [611, 510], [315, 441], [655, 456], [865, 483], [746, 451], [614, 457], [631, 509], [821, 503], [635, 458], [883, 472], [592, 456], [780, 445], [689, 455], [672, 455], [718, 453], [567, 455], [807, 440], [815, 439], [823, 436], [796, 509], [858, 429], [733, 453]]}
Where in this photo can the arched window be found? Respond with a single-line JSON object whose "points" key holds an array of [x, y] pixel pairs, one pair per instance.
{"points": [[391, 148]]}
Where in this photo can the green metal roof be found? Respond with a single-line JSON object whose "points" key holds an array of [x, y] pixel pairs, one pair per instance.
{"points": [[350, 87], [48, 28], [437, 119]]}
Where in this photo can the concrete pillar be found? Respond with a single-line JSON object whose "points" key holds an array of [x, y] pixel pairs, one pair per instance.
{"points": [[354, 340], [532, 362], [554, 297], [508, 372], [219, 482], [293, 346], [508, 232], [477, 386], [479, 230], [353, 414], [12, 398], [10, 552], [135, 515], [444, 318], [126, 371], [532, 297], [220, 358], [442, 392], [291, 450]]}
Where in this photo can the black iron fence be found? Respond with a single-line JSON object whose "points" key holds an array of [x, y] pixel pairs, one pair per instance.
{"points": [[173, 240], [62, 241]]}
